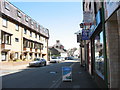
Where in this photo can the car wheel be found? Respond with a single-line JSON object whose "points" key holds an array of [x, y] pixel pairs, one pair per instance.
{"points": [[45, 64]]}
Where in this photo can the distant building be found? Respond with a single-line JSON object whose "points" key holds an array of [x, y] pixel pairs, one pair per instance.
{"points": [[58, 49]]}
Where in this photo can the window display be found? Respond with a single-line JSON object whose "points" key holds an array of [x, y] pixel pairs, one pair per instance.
{"points": [[99, 58]]}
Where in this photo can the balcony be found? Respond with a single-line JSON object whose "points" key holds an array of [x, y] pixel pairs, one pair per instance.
{"points": [[26, 49], [32, 50], [6, 47]]}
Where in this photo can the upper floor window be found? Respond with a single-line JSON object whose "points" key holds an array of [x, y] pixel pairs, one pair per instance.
{"points": [[26, 19], [35, 35], [4, 22], [16, 40], [39, 37], [31, 22], [25, 31], [7, 6], [30, 34], [19, 13], [16, 27]]}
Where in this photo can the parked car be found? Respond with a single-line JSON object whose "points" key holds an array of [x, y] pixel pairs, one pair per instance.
{"points": [[55, 60], [38, 62], [69, 58]]}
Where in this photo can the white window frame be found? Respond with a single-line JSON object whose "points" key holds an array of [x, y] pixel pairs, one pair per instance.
{"points": [[17, 39], [16, 27], [25, 31], [26, 18], [7, 6], [19, 14], [4, 22]]}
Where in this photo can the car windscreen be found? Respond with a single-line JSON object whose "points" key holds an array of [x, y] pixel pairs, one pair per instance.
{"points": [[36, 59]]}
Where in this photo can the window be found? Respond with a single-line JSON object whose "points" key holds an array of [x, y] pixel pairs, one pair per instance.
{"points": [[19, 14], [31, 22], [39, 37], [7, 6], [30, 34], [5, 38], [16, 55], [26, 19], [16, 40], [25, 31], [99, 58], [17, 27], [4, 22], [35, 35]]}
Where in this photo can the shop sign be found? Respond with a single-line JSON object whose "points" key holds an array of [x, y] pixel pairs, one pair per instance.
{"points": [[98, 17], [85, 34], [87, 16], [66, 73], [111, 6]]}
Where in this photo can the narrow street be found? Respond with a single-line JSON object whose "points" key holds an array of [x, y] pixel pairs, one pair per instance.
{"points": [[49, 76]]}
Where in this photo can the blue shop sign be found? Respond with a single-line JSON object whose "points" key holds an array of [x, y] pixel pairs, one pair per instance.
{"points": [[85, 34], [98, 21]]}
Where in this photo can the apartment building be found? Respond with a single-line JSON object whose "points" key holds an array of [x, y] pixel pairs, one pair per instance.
{"points": [[102, 49], [21, 36]]}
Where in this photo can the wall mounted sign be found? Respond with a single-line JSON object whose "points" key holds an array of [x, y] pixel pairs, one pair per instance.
{"points": [[85, 34]]}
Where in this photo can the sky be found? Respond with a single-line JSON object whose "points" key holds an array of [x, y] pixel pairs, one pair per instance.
{"points": [[61, 18]]}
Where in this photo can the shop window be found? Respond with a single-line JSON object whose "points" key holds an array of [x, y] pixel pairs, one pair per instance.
{"points": [[4, 22], [99, 58], [7, 6]]}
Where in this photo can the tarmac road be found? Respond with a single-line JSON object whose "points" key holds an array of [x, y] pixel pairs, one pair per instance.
{"points": [[35, 77]]}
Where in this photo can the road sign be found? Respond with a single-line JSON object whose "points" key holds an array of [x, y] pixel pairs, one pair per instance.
{"points": [[66, 74]]}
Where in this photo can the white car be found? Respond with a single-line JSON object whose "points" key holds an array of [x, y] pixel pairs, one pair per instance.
{"points": [[55, 60], [38, 62]]}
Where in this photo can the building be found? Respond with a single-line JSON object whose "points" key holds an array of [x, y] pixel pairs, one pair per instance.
{"points": [[102, 49], [58, 49], [21, 36]]}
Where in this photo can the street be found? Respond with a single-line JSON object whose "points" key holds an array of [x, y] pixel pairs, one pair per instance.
{"points": [[49, 76]]}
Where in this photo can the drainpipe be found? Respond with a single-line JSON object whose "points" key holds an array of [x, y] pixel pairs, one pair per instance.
{"points": [[104, 41]]}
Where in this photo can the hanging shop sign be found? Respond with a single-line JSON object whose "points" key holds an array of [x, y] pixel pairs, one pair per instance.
{"points": [[66, 73], [78, 38], [87, 17], [85, 34], [111, 6]]}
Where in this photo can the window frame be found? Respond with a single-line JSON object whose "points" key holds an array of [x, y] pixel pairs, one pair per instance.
{"points": [[19, 14], [7, 6], [17, 39], [16, 27], [4, 21]]}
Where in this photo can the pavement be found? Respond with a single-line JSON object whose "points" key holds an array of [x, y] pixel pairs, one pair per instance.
{"points": [[80, 79]]}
